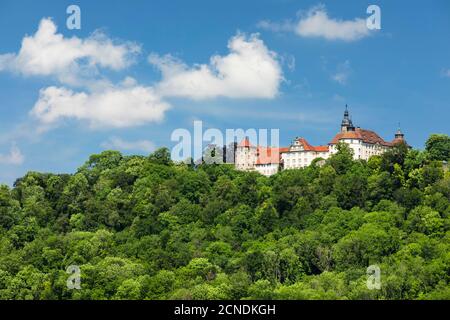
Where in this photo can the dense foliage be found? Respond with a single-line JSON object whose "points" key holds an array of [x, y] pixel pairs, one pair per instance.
{"points": [[146, 228]]}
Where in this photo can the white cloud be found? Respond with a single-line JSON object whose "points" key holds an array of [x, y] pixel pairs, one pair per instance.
{"points": [[6, 60], [119, 106], [342, 73], [446, 73], [14, 157], [48, 53], [317, 24], [250, 70], [120, 144], [286, 26]]}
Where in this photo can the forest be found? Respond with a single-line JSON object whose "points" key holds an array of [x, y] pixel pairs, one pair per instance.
{"points": [[144, 227]]}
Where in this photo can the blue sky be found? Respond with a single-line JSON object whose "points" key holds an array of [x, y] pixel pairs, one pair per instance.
{"points": [[66, 94]]}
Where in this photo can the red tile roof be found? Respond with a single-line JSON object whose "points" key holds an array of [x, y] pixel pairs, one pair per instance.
{"points": [[367, 136], [245, 143], [267, 155], [397, 141], [321, 148], [308, 147], [272, 155]]}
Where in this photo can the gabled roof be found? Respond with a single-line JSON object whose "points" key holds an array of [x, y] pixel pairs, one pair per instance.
{"points": [[309, 147], [321, 148], [367, 136], [269, 155], [265, 155], [245, 143]]}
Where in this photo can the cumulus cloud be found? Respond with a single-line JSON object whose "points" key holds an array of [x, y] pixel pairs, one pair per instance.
{"points": [[77, 62], [124, 105], [249, 70], [14, 157], [120, 144], [48, 53], [317, 24]]}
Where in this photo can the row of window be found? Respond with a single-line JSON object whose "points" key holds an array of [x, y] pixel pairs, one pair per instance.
{"points": [[294, 161]]}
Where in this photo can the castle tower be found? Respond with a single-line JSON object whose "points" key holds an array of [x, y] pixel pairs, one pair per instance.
{"points": [[246, 155], [347, 124], [399, 136]]}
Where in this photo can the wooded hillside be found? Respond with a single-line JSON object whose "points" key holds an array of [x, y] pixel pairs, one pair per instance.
{"points": [[146, 228]]}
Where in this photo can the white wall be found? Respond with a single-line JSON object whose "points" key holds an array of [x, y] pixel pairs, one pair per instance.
{"points": [[245, 158], [301, 159], [360, 149], [267, 169]]}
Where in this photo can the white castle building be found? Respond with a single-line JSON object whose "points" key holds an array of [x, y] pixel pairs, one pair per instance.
{"points": [[300, 154]]}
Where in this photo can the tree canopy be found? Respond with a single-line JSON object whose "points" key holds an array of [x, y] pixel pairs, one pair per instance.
{"points": [[148, 228]]}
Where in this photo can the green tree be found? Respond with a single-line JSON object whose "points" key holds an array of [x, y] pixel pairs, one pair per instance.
{"points": [[161, 156], [342, 160], [438, 147], [424, 219]]}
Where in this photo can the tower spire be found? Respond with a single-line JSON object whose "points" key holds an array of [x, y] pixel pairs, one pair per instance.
{"points": [[399, 134], [346, 124]]}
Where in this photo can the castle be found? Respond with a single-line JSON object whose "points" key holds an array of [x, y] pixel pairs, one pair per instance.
{"points": [[300, 154]]}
